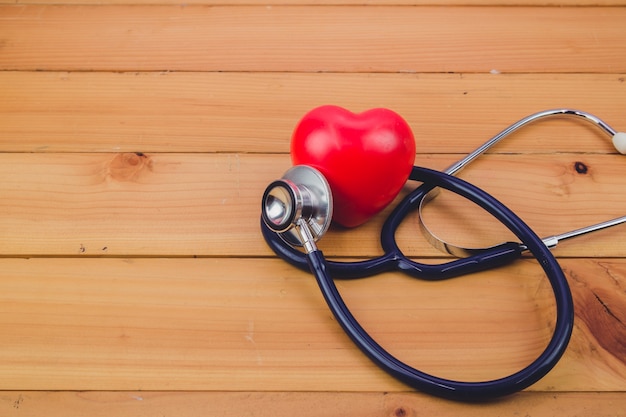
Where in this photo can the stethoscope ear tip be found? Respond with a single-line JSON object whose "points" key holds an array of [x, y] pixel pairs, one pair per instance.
{"points": [[619, 141]]}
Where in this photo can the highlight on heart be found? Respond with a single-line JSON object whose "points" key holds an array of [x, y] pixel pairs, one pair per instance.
{"points": [[366, 157]]}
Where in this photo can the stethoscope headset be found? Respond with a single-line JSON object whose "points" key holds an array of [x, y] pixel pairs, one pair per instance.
{"points": [[297, 211]]}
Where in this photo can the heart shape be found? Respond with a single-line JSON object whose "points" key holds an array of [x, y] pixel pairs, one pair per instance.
{"points": [[366, 157]]}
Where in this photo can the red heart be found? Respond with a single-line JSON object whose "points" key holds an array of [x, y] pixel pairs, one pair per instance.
{"points": [[365, 157]]}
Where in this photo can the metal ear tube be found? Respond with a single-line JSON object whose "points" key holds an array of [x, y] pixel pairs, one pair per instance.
{"points": [[618, 140]]}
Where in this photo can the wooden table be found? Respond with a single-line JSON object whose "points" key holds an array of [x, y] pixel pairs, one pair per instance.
{"points": [[137, 138]]}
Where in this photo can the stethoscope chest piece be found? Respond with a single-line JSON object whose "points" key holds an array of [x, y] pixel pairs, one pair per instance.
{"points": [[301, 195]]}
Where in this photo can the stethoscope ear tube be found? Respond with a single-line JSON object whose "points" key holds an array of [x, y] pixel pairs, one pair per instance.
{"points": [[457, 390]]}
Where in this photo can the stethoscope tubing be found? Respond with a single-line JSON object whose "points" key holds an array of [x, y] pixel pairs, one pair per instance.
{"points": [[457, 390], [393, 258]]}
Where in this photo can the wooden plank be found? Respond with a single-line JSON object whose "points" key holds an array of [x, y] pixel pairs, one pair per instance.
{"points": [[305, 404], [260, 325], [209, 204], [256, 112], [312, 38]]}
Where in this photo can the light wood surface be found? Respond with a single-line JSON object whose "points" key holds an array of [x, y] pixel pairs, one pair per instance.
{"points": [[313, 38], [137, 137]]}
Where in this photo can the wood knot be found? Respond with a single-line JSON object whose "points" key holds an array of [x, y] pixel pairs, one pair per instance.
{"points": [[580, 167], [128, 166], [400, 412]]}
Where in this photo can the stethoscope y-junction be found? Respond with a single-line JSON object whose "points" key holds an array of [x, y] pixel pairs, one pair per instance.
{"points": [[297, 211]]}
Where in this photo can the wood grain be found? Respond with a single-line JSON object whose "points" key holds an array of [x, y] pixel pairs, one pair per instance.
{"points": [[312, 39], [136, 138], [208, 204], [252, 324], [305, 404], [246, 112]]}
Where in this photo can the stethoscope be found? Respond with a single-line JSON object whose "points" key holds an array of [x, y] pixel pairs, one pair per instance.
{"points": [[297, 211]]}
